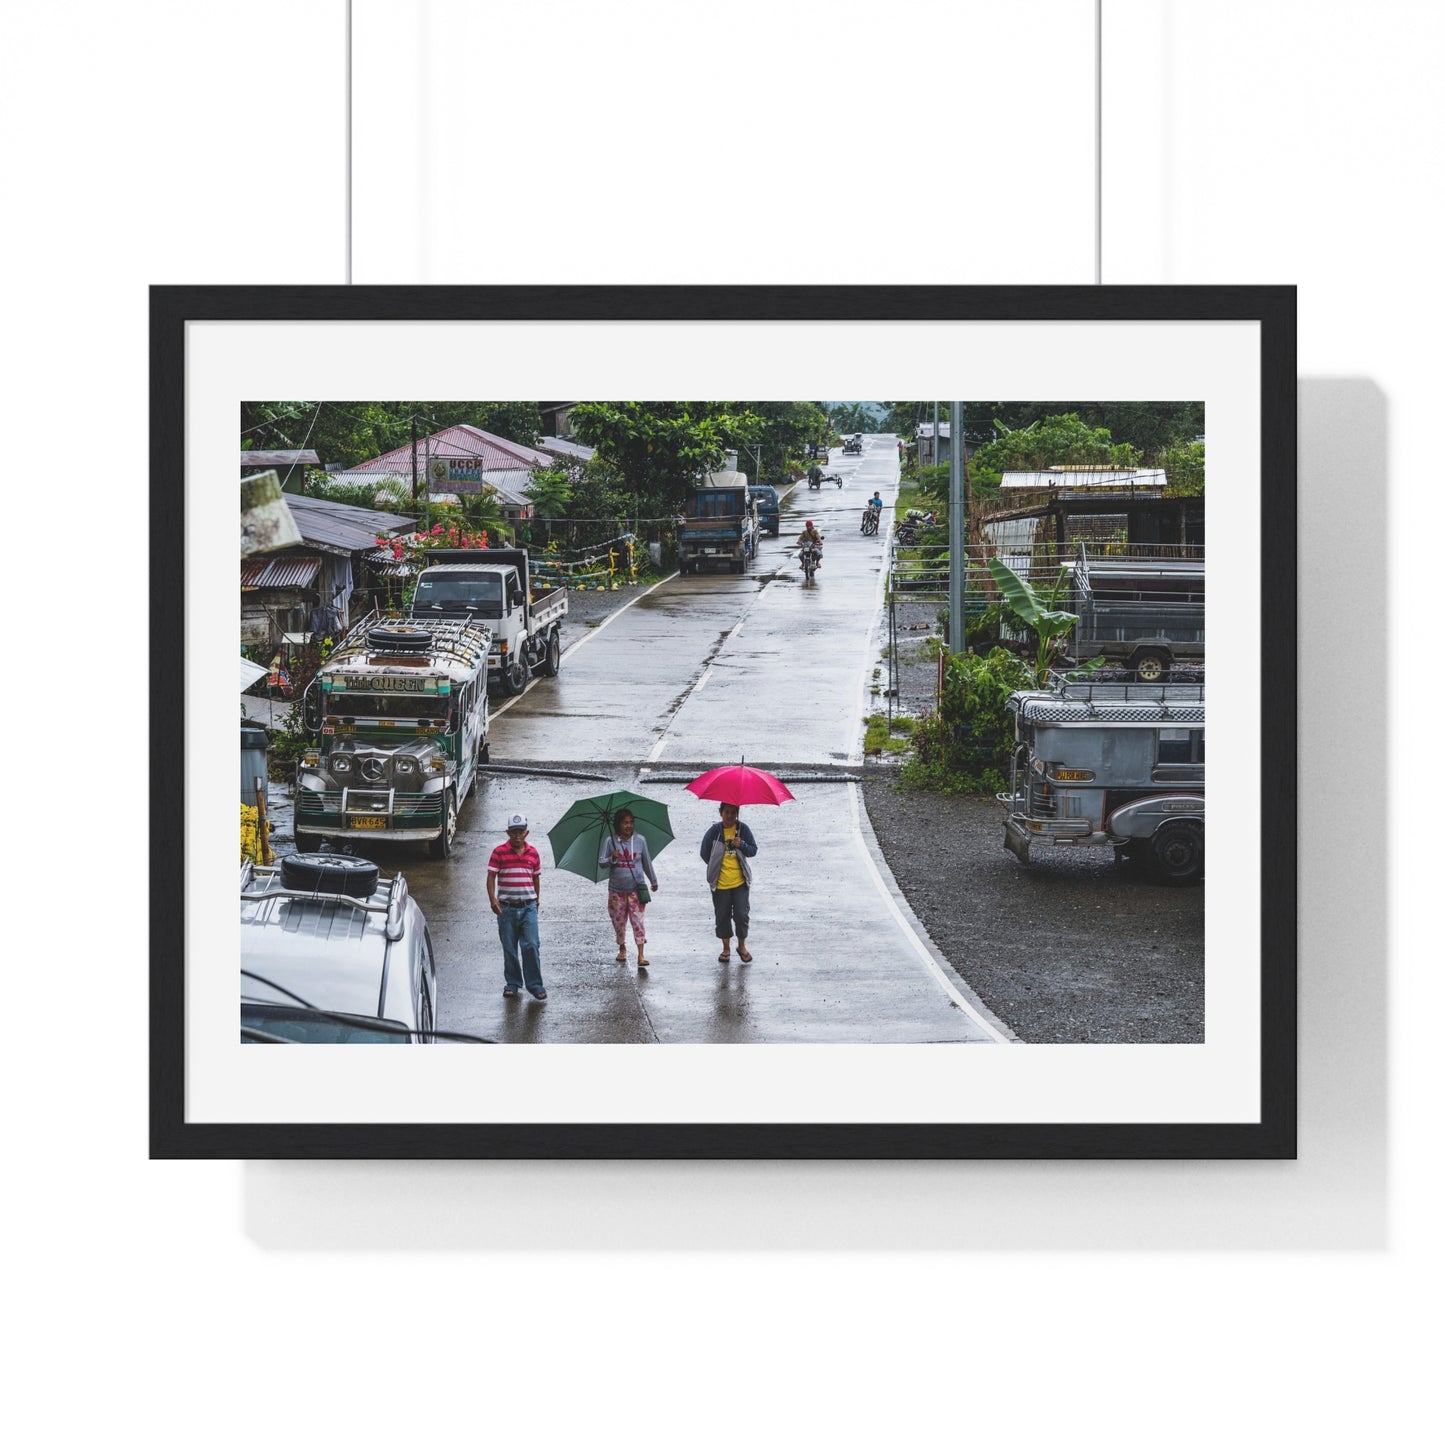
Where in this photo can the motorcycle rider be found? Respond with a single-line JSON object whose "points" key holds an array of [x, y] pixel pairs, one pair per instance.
{"points": [[872, 512], [811, 537]]}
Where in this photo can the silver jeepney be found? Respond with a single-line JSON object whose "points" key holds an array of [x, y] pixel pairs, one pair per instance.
{"points": [[401, 713], [1110, 764]]}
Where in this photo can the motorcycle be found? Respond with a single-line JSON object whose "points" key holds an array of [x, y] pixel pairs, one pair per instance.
{"points": [[912, 524], [808, 559], [869, 525]]}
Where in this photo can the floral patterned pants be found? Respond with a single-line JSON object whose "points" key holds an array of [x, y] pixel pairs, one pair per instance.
{"points": [[621, 907]]}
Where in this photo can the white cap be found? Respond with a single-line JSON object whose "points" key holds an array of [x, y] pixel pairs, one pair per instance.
{"points": [[517, 820]]}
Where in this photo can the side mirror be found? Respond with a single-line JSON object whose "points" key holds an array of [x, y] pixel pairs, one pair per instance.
{"points": [[516, 597]]}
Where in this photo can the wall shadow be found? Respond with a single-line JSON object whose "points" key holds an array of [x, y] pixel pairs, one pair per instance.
{"points": [[1334, 1197]]}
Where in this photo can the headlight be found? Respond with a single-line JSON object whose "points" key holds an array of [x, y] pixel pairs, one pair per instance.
{"points": [[341, 765], [405, 766]]}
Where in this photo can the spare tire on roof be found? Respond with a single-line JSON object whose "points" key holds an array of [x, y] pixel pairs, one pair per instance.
{"points": [[398, 637], [330, 873]]}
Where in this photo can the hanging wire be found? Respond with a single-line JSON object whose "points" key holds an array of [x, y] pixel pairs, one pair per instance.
{"points": [[1098, 142], [348, 142]]}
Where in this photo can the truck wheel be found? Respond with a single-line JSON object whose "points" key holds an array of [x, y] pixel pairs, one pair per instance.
{"points": [[515, 676], [1151, 664], [552, 658], [441, 845], [1176, 852]]}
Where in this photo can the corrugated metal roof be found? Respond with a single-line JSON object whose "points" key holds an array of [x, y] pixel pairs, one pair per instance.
{"points": [[1080, 478], [460, 441], [573, 451], [280, 459], [342, 527], [279, 571]]}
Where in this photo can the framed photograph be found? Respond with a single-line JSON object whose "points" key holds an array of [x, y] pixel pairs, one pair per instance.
{"points": [[787, 778]]}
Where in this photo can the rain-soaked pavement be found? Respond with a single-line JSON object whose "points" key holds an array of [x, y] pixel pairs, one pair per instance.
{"points": [[697, 672]]}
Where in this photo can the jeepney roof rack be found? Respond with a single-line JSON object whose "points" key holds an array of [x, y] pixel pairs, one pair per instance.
{"points": [[1082, 701], [460, 640], [260, 882], [1092, 690]]}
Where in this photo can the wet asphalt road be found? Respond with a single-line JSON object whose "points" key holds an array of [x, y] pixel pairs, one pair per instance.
{"points": [[702, 671]]}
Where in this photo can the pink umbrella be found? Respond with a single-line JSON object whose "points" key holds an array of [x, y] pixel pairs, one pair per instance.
{"points": [[737, 783]]}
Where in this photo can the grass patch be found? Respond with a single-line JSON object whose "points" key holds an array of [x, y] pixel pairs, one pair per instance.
{"points": [[879, 738]]}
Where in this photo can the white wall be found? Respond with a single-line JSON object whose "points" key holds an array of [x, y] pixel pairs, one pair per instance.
{"points": [[1284, 141]]}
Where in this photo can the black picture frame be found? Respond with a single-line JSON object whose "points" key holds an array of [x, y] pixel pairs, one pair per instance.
{"points": [[1273, 1136]]}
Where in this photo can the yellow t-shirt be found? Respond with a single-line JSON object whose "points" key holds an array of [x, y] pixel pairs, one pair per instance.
{"points": [[732, 871]]}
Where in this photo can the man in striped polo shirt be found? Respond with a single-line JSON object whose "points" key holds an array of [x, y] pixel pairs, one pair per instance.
{"points": [[514, 889]]}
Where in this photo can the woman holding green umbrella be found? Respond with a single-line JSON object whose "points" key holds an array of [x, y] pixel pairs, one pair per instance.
{"points": [[615, 836], [625, 852]]}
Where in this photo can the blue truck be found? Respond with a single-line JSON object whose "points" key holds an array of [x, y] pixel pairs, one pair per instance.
{"points": [[719, 527], [765, 502]]}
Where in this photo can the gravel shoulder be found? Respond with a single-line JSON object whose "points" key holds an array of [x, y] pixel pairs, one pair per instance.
{"points": [[1074, 948]]}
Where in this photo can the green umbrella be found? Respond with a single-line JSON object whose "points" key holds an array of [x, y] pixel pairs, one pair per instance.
{"points": [[577, 836]]}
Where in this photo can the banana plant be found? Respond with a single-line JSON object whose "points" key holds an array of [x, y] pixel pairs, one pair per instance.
{"points": [[1039, 610]]}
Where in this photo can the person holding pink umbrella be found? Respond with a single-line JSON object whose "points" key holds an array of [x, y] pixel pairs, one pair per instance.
{"points": [[726, 848]]}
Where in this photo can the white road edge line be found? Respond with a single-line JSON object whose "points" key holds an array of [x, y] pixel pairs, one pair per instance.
{"points": [[929, 962], [858, 726], [612, 617], [587, 637]]}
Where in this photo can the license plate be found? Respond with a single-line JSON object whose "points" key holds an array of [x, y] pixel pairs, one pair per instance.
{"points": [[366, 820]]}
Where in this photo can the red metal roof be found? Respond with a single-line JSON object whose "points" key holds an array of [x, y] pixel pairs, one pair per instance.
{"points": [[279, 572], [496, 453]]}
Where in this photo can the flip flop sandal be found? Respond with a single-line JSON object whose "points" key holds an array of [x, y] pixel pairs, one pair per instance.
{"points": [[724, 958], [540, 995], [510, 992], [745, 955], [621, 955]]}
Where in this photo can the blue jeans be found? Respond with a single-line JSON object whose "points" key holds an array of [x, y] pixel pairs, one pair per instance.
{"points": [[521, 947]]}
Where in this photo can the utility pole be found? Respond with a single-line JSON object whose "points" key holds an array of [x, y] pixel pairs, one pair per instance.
{"points": [[957, 530], [933, 450], [414, 493]]}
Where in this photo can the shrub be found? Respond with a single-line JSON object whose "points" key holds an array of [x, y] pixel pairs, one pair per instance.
{"points": [[966, 746]]}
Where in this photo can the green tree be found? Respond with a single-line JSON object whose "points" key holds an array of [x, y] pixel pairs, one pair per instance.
{"points": [[347, 433], [1183, 465], [786, 429], [659, 449], [1053, 441]]}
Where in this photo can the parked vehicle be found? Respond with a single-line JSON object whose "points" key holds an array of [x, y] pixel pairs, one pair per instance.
{"points": [[1116, 765], [719, 527], [1147, 613], [401, 716], [765, 504], [331, 953], [496, 586], [912, 524]]}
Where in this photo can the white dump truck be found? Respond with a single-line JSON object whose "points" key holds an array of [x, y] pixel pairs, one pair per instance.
{"points": [[494, 586]]}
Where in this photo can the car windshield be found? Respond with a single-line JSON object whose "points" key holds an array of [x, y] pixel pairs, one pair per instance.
{"points": [[481, 594], [308, 1026]]}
